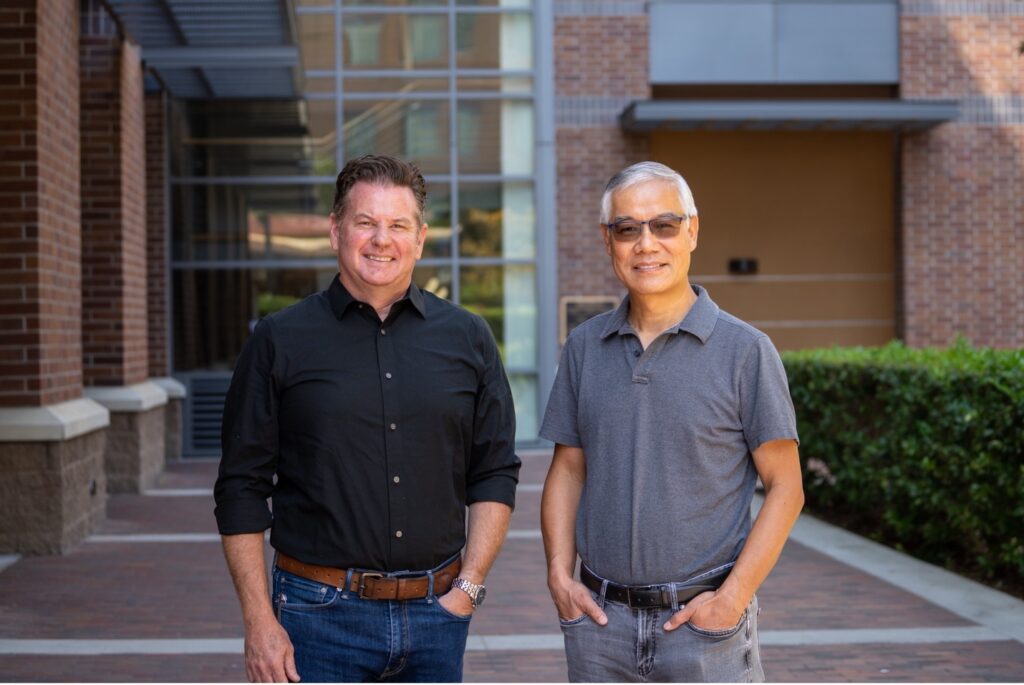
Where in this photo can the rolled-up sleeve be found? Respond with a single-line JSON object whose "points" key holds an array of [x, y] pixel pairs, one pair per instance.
{"points": [[493, 471], [249, 440]]}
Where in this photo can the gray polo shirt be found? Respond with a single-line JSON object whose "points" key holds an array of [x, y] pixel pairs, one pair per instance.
{"points": [[667, 435]]}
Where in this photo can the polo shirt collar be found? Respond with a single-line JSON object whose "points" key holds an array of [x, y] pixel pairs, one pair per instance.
{"points": [[341, 299], [699, 321]]}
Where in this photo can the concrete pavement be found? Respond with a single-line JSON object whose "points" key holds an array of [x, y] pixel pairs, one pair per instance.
{"points": [[148, 598]]}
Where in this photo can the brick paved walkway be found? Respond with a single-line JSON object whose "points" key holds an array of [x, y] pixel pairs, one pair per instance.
{"points": [[149, 599]]}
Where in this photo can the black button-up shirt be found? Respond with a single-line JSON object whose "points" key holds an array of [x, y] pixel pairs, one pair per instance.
{"points": [[379, 433]]}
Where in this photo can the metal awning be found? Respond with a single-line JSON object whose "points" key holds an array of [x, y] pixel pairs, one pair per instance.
{"points": [[793, 115], [206, 49]]}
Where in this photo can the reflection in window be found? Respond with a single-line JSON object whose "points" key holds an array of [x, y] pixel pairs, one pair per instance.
{"points": [[216, 309], [496, 220], [469, 129], [429, 37], [362, 36], [422, 124], [505, 297]]}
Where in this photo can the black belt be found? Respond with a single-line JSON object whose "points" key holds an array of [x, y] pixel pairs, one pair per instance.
{"points": [[660, 596]]}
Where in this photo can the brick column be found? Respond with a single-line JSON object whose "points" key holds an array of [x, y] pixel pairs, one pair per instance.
{"points": [[963, 182], [157, 280], [52, 487], [114, 319], [593, 84]]}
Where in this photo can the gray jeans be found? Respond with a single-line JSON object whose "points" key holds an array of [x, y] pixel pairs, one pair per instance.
{"points": [[633, 647]]}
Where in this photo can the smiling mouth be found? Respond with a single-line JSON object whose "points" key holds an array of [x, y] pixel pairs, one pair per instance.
{"points": [[647, 267], [376, 258]]}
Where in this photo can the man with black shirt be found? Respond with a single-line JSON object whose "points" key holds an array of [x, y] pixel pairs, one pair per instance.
{"points": [[383, 411]]}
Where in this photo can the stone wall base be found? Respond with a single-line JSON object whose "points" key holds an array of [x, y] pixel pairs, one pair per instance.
{"points": [[135, 450], [52, 494]]}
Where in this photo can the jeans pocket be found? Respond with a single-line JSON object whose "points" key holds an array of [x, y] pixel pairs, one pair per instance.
{"points": [[572, 622], [454, 617], [295, 593], [717, 634]]}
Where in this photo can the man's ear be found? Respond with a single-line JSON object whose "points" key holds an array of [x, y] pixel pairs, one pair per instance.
{"points": [[607, 239], [335, 231], [693, 229]]}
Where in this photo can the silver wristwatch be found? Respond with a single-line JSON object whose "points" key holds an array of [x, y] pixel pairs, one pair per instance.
{"points": [[477, 593]]}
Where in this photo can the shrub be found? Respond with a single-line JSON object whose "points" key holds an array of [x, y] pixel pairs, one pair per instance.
{"points": [[920, 449]]}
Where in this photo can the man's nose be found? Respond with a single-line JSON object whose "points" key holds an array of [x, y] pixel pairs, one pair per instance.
{"points": [[381, 235], [646, 242]]}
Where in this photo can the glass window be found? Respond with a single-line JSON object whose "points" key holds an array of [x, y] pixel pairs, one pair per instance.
{"points": [[498, 139], [215, 310], [524, 396], [395, 41], [493, 3], [316, 40], [415, 130], [494, 41], [255, 138], [496, 220], [395, 85], [228, 222], [439, 221], [394, 3], [505, 297]]}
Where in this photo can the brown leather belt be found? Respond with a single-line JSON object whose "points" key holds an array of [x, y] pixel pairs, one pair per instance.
{"points": [[373, 585]]}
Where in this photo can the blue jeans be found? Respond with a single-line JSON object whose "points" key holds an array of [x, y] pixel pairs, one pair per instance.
{"points": [[633, 647], [339, 637]]}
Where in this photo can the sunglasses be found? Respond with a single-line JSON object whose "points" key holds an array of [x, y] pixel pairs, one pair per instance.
{"points": [[630, 230]]}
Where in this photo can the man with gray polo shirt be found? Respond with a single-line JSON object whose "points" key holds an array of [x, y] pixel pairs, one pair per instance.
{"points": [[664, 412]]}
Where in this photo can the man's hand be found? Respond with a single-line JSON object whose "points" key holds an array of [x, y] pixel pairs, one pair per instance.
{"points": [[572, 599], [457, 602], [269, 655], [709, 611]]}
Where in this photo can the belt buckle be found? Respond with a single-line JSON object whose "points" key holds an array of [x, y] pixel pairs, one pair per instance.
{"points": [[643, 597], [362, 582]]}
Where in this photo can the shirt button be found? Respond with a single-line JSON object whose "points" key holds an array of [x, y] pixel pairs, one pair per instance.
{"points": [[383, 331], [637, 353], [393, 426], [388, 375], [398, 533], [397, 479]]}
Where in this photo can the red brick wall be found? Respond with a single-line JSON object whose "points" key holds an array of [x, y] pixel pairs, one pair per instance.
{"points": [[156, 233], [40, 343], [593, 84], [114, 334], [963, 182]]}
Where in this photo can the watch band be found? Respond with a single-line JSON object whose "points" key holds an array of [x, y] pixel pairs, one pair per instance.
{"points": [[472, 589]]}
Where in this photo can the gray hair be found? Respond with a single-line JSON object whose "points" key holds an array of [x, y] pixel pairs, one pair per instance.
{"points": [[643, 172]]}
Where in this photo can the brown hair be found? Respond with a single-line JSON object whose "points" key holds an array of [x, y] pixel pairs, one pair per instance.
{"points": [[380, 170]]}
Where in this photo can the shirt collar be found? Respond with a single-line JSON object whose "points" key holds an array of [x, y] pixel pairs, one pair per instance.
{"points": [[341, 299], [699, 321]]}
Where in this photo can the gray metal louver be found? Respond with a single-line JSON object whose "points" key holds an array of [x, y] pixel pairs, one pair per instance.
{"points": [[204, 408]]}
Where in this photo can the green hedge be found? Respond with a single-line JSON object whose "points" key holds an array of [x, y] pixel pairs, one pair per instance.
{"points": [[920, 449]]}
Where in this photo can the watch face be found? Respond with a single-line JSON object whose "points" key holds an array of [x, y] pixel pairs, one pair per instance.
{"points": [[481, 595]]}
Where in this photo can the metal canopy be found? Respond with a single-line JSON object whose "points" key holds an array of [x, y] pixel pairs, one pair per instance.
{"points": [[206, 49], [797, 115]]}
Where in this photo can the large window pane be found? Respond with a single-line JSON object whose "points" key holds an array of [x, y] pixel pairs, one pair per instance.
{"points": [[439, 220], [254, 138], [494, 41], [524, 395], [495, 137], [496, 220], [505, 84], [493, 3], [506, 297], [413, 130], [316, 41], [395, 41], [226, 222], [215, 310], [395, 3]]}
